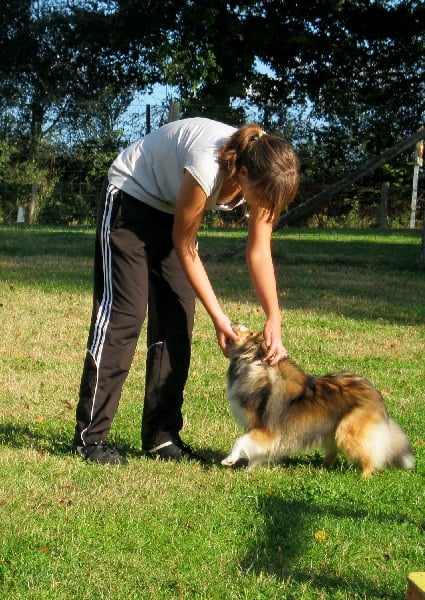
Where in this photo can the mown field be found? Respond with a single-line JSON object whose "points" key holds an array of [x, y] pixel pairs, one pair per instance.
{"points": [[294, 530]]}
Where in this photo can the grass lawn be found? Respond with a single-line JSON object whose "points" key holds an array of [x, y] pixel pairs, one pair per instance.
{"points": [[69, 530]]}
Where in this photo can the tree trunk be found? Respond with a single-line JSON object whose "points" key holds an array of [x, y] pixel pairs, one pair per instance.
{"points": [[383, 208], [33, 205]]}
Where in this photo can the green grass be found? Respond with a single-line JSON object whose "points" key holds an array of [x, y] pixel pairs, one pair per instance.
{"points": [[350, 299]]}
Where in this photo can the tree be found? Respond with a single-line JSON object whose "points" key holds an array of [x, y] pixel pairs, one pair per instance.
{"points": [[54, 62], [351, 59], [61, 71], [69, 69]]}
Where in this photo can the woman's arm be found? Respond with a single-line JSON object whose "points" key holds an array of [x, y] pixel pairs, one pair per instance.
{"points": [[189, 212], [261, 269]]}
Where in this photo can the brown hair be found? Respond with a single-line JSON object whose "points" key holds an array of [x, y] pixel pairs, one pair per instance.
{"points": [[271, 162]]}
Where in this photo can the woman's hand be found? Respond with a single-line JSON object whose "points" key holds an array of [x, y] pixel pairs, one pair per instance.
{"points": [[273, 339], [224, 332]]}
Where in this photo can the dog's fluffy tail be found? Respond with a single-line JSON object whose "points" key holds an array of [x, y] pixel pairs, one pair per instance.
{"points": [[379, 445], [400, 452], [389, 447]]}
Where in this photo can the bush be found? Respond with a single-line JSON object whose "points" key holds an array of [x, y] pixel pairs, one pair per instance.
{"points": [[75, 210]]}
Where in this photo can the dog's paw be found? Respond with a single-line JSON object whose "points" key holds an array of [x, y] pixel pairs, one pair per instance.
{"points": [[228, 461]]}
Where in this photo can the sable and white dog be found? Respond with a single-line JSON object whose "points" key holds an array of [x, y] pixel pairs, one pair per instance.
{"points": [[284, 411]]}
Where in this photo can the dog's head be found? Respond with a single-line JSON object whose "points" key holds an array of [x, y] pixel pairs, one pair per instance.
{"points": [[250, 345]]}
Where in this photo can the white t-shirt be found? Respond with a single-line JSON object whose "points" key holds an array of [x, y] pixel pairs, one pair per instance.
{"points": [[151, 170]]}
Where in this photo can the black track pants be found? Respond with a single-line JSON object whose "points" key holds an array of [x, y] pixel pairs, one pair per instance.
{"points": [[136, 270]]}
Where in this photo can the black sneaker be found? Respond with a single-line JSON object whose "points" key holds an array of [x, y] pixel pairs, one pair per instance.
{"points": [[103, 453], [175, 450]]}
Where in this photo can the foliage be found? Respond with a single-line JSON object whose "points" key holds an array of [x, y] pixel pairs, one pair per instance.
{"points": [[341, 80], [62, 55], [356, 62], [20, 179], [50, 64], [6, 153], [73, 210]]}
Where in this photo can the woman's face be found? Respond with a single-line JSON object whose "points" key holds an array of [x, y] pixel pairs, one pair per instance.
{"points": [[230, 192]]}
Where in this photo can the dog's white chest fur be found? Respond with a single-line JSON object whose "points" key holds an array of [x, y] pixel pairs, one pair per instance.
{"points": [[240, 388], [239, 414]]}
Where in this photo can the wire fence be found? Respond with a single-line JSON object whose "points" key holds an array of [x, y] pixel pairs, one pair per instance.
{"points": [[76, 160]]}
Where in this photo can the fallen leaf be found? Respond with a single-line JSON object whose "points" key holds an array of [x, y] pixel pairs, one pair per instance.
{"points": [[321, 535], [68, 404]]}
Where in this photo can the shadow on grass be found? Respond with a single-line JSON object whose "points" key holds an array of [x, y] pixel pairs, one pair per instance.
{"points": [[360, 279], [39, 438], [33, 241], [364, 275], [18, 436], [59, 443], [285, 551]]}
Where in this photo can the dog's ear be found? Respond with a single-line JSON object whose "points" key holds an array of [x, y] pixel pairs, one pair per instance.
{"points": [[238, 328], [262, 348]]}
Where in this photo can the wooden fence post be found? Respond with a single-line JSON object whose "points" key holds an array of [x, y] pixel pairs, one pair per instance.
{"points": [[174, 111], [148, 118], [419, 161]]}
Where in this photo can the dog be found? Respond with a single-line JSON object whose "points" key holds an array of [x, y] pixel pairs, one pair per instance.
{"points": [[285, 411]]}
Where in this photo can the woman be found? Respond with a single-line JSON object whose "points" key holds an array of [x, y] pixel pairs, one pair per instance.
{"points": [[146, 260]]}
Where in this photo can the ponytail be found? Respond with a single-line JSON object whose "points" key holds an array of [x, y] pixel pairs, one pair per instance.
{"points": [[231, 153]]}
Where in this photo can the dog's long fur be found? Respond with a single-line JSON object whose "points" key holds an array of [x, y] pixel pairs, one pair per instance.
{"points": [[284, 411]]}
